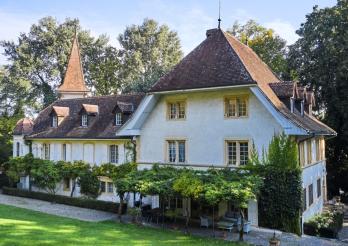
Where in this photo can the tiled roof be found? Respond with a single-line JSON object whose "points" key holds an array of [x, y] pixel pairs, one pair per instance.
{"points": [[60, 111], [73, 79], [100, 126], [220, 61], [90, 109], [23, 127]]}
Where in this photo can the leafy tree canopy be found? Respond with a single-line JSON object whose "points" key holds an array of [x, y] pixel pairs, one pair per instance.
{"points": [[320, 57], [266, 43]]}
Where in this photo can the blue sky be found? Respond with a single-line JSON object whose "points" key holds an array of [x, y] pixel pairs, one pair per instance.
{"points": [[189, 18]]}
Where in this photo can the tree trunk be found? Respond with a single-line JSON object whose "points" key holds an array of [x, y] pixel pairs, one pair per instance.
{"points": [[120, 207], [213, 221], [73, 188], [241, 231]]}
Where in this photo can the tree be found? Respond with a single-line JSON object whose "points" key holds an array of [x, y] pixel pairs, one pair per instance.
{"points": [[269, 46], [148, 52], [46, 175], [38, 62], [73, 171], [321, 61], [89, 183]]}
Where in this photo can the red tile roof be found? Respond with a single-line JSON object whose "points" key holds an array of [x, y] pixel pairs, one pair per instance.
{"points": [[73, 79]]}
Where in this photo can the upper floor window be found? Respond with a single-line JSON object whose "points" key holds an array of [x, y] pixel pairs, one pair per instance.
{"points": [[46, 151], [18, 149], [54, 120], [320, 149], [84, 120], [304, 202], [64, 152], [318, 187], [237, 152], [176, 110], [302, 154], [113, 153], [310, 195], [176, 151], [236, 106], [118, 119], [309, 151]]}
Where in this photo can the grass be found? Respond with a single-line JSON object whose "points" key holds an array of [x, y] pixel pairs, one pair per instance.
{"points": [[25, 227]]}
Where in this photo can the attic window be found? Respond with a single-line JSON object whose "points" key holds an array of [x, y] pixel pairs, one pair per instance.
{"points": [[84, 120], [54, 121], [118, 119]]}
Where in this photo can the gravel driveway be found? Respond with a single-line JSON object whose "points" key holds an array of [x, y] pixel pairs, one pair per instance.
{"points": [[57, 209]]}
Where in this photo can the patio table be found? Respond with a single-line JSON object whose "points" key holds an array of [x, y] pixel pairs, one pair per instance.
{"points": [[225, 225]]}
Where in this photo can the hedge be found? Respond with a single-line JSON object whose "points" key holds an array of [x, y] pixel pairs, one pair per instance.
{"points": [[72, 201]]}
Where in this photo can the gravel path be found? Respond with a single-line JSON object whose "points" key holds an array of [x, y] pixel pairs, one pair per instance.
{"points": [[57, 209]]}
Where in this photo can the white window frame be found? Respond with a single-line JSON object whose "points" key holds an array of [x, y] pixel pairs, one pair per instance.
{"points": [[84, 120], [113, 159], [238, 151], [118, 119], [64, 155], [176, 110], [18, 149], [46, 151], [177, 143], [54, 121]]}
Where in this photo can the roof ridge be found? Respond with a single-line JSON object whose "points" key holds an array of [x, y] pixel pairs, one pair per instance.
{"points": [[104, 96]]}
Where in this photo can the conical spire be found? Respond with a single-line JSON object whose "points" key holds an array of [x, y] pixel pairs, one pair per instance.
{"points": [[74, 84]]}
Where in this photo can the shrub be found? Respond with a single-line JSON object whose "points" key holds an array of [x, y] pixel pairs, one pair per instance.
{"points": [[89, 183], [46, 175], [326, 224], [72, 201]]}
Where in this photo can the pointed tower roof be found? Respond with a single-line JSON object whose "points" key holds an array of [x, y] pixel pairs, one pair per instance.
{"points": [[73, 80]]}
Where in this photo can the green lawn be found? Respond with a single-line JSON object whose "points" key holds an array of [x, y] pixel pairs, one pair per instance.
{"points": [[24, 227]]}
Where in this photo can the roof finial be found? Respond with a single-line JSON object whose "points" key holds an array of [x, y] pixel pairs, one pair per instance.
{"points": [[219, 20]]}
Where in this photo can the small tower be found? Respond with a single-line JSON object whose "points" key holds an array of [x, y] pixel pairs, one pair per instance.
{"points": [[74, 84]]}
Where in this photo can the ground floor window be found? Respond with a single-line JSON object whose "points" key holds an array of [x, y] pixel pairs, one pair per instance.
{"points": [[110, 187], [319, 187], [66, 184], [176, 151], [237, 152], [310, 195], [113, 153], [18, 146], [106, 186], [46, 151]]}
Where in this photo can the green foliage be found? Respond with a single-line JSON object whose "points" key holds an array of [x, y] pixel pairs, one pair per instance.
{"points": [[89, 184], [46, 175], [188, 185], [320, 59], [148, 52], [266, 43], [326, 224], [280, 197], [72, 201]]}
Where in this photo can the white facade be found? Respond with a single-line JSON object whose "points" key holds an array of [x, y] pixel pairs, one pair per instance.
{"points": [[205, 128]]}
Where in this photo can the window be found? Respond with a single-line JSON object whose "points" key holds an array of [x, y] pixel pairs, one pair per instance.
{"points": [[113, 153], [18, 149], [46, 151], [103, 186], [176, 110], [176, 151], [64, 152], [318, 187], [309, 152], [310, 194], [237, 152], [66, 184], [110, 187], [54, 120], [84, 120], [236, 107], [317, 150], [302, 154], [304, 204], [118, 119]]}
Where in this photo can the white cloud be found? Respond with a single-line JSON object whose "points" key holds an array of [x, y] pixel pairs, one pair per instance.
{"points": [[283, 29]]}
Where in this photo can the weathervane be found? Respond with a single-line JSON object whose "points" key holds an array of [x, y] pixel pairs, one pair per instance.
{"points": [[219, 20]]}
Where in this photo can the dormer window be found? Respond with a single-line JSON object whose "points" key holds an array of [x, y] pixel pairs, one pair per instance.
{"points": [[54, 121], [84, 120], [118, 119]]}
